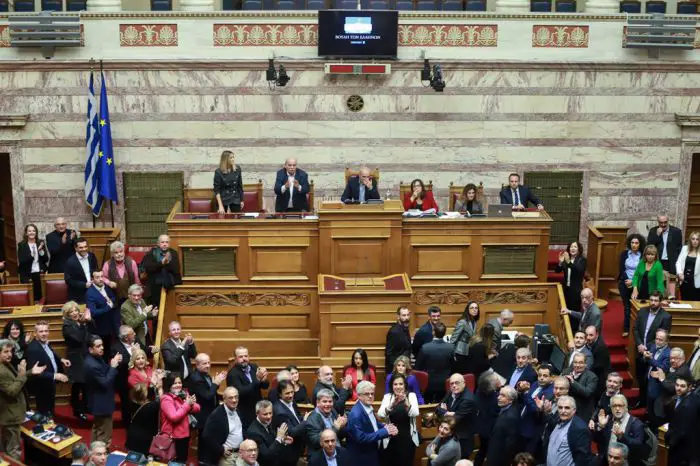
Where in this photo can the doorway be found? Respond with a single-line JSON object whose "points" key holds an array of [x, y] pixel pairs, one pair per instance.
{"points": [[8, 242], [692, 222]]}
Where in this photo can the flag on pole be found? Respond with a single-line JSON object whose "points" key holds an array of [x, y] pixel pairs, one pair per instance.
{"points": [[92, 141], [106, 167]]}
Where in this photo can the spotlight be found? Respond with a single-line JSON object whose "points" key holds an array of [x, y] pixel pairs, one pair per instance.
{"points": [[433, 77], [275, 78]]}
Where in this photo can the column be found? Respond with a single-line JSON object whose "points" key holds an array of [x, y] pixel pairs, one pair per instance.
{"points": [[104, 5], [513, 6], [601, 6], [197, 5]]}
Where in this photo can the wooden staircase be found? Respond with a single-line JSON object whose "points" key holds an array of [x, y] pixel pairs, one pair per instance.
{"points": [[693, 219]]}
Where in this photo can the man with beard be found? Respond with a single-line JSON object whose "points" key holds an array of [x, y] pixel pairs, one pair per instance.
{"points": [[619, 427], [249, 380], [664, 404], [398, 338], [532, 422], [324, 380], [682, 436]]}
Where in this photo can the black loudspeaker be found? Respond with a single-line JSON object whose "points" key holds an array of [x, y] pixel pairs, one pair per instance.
{"points": [[541, 329]]}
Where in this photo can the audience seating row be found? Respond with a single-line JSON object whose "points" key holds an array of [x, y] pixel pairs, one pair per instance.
{"points": [[16, 295], [46, 5]]}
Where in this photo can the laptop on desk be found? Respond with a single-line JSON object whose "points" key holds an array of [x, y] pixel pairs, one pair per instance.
{"points": [[501, 210]]}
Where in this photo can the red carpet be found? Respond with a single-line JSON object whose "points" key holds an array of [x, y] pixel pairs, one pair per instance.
{"points": [[64, 415]]}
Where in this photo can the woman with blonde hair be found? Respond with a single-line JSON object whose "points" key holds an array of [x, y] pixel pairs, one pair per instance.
{"points": [[402, 366], [141, 373], [649, 276], [228, 184], [76, 334], [688, 268]]}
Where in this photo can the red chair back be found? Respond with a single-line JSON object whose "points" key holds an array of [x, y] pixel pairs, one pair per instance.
{"points": [[422, 378], [55, 291], [469, 383], [15, 298], [202, 206]]}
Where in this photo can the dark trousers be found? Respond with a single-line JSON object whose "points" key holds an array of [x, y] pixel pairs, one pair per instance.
{"points": [[626, 296], [78, 398], [232, 208], [45, 394], [123, 391], [466, 445], [642, 370], [483, 449], [35, 280], [182, 447]]}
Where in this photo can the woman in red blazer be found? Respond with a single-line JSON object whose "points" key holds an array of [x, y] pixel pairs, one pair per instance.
{"points": [[359, 370], [175, 407], [419, 198]]}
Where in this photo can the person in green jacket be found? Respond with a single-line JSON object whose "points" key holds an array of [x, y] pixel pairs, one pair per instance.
{"points": [[135, 314], [649, 276], [13, 403]]}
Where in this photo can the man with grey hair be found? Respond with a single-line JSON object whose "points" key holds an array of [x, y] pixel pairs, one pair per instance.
{"points": [[136, 314], [324, 380], [291, 188], [328, 452], [322, 418], [120, 271], [567, 442], [589, 314], [523, 371], [361, 187], [223, 432], [663, 406], [617, 454], [504, 320], [271, 442], [503, 444], [364, 429], [619, 427], [60, 244], [79, 454], [125, 346], [98, 454], [583, 383], [177, 351], [162, 266]]}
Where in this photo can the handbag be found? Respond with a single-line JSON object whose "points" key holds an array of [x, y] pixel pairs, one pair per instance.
{"points": [[162, 445]]}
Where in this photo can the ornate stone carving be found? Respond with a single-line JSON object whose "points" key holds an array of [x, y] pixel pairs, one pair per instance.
{"points": [[265, 35], [560, 36], [148, 35], [4, 36], [480, 296], [448, 35], [242, 299]]}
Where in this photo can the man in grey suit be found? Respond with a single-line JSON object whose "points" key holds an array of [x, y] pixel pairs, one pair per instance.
{"points": [[589, 315], [499, 323], [436, 359], [578, 346], [582, 386]]}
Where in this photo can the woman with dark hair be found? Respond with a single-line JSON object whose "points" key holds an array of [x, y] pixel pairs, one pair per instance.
{"points": [[649, 275], [480, 352], [228, 184], [464, 331], [400, 407], [144, 422], [573, 264], [32, 259], [14, 331], [467, 202], [175, 407], [444, 450], [301, 395], [688, 268], [524, 459], [359, 369], [629, 260], [76, 334], [402, 366], [419, 198]]}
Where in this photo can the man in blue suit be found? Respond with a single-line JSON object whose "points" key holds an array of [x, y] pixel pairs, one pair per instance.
{"points": [[361, 188], [291, 187], [523, 371], [364, 429], [532, 421], [627, 429], [658, 356], [518, 195], [99, 382], [102, 303], [569, 440]]}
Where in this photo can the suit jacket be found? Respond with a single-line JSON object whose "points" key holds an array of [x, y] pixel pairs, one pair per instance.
{"points": [[296, 429], [75, 277], [159, 274], [35, 353], [436, 358], [621, 275], [682, 435], [342, 458], [459, 339], [340, 396], [299, 200], [25, 260], [497, 333], [121, 382], [214, 435], [13, 401], [601, 363], [466, 411], [99, 384], [60, 251], [398, 343], [663, 362], [531, 420], [576, 270], [133, 318], [352, 190], [579, 439], [423, 335], [529, 375], [207, 397], [363, 440], [675, 243], [172, 356], [526, 195], [503, 443], [583, 390], [590, 316], [270, 451], [568, 361], [662, 320], [695, 369], [76, 336], [249, 393], [106, 319], [633, 438], [314, 425]]}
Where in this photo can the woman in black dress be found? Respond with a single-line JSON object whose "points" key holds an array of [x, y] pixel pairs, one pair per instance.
{"points": [[573, 264], [14, 331], [400, 407], [688, 269], [76, 334], [228, 184], [144, 421], [32, 259], [480, 352], [301, 396]]}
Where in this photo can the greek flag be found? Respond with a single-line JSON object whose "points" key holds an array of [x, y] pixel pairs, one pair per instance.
{"points": [[92, 141]]}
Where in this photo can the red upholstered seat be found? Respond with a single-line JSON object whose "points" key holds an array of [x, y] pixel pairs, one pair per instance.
{"points": [[422, 378], [469, 383], [14, 298], [252, 200], [56, 292], [200, 205]]}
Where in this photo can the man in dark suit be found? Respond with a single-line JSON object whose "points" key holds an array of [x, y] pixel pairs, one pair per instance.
{"points": [[204, 387], [43, 386], [663, 406], [518, 195], [627, 429], [249, 379], [324, 380], [532, 420], [649, 320], [330, 450], [124, 346], [694, 360], [523, 371], [658, 358], [461, 405], [60, 245], [669, 242], [504, 437], [102, 303], [571, 430], [601, 358], [322, 418], [425, 332], [177, 352], [223, 431], [271, 443], [99, 384], [361, 187], [578, 346], [613, 386], [682, 436], [398, 339], [291, 187], [436, 358], [78, 271], [364, 429], [590, 313], [583, 383], [162, 265], [285, 412]]}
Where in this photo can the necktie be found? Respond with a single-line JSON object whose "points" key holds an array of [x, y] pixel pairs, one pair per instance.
{"points": [[362, 192], [247, 374], [516, 197]]}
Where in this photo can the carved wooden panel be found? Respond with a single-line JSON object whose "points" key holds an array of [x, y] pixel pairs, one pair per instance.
{"points": [[242, 299], [429, 297], [359, 257]]}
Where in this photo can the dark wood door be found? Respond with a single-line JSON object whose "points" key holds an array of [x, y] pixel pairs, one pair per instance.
{"points": [[693, 218], [8, 242]]}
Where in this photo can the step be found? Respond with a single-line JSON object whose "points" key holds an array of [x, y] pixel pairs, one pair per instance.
{"points": [[619, 361], [627, 379]]}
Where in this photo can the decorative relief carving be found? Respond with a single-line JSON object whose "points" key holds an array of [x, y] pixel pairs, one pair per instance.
{"points": [[148, 35], [449, 35], [480, 296], [4, 36], [242, 299], [299, 35], [571, 37]]}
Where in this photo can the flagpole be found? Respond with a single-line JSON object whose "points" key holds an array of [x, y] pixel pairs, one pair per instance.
{"points": [[92, 69]]}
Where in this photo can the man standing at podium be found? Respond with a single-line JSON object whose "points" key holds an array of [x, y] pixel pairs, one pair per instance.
{"points": [[291, 187], [361, 188]]}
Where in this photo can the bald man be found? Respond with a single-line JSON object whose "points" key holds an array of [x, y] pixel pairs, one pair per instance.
{"points": [[291, 188], [163, 268], [60, 243], [222, 438], [361, 188]]}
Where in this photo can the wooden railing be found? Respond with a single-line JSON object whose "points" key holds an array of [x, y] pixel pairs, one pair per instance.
{"points": [[159, 326], [565, 331]]}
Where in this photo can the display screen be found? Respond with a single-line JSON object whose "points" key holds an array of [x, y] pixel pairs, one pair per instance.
{"points": [[358, 33]]}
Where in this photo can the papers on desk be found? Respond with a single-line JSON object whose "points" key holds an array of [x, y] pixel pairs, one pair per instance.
{"points": [[680, 306], [451, 215], [251, 215], [311, 217], [416, 213]]}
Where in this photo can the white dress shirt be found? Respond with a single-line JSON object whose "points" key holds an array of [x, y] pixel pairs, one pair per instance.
{"points": [[35, 257], [85, 264], [235, 430]]}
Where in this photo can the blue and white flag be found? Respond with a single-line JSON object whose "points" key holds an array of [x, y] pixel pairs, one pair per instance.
{"points": [[92, 142]]}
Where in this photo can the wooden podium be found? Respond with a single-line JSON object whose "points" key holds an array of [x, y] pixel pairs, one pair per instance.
{"points": [[357, 312]]}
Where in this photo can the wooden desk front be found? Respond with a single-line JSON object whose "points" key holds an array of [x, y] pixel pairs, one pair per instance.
{"points": [[61, 449]]}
